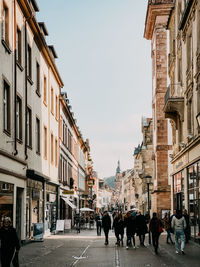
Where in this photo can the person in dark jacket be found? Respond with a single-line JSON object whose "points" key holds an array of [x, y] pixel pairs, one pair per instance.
{"points": [[118, 226], [167, 227], [130, 224], [187, 229], [106, 224], [98, 223], [155, 227], [9, 243], [141, 228]]}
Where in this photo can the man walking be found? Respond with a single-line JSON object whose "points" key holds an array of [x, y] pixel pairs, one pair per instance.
{"points": [[106, 224], [187, 229], [179, 224]]}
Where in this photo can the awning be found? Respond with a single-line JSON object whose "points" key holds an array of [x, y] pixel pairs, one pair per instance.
{"points": [[69, 202]]}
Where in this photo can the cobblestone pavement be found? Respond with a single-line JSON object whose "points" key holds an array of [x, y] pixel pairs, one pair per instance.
{"points": [[87, 249]]}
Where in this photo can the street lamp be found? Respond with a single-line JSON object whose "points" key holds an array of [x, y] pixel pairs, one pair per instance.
{"points": [[198, 119], [148, 181]]}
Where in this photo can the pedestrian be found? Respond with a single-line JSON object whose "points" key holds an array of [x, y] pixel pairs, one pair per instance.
{"points": [[130, 224], [141, 228], [106, 224], [10, 244], [179, 224], [118, 226], [167, 227], [98, 223], [155, 226], [187, 229]]}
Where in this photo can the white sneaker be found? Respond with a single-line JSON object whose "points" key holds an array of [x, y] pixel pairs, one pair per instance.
{"points": [[126, 247], [134, 247], [176, 252]]}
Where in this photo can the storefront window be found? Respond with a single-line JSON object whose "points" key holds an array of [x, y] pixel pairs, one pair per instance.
{"points": [[179, 199], [194, 198], [6, 200]]}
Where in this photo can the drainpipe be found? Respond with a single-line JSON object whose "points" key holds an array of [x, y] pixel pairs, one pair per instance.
{"points": [[15, 83], [26, 80]]}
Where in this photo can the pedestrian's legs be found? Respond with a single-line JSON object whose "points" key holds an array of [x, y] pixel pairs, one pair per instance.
{"points": [[122, 237], [99, 229], [176, 240], [106, 236], [128, 240], [133, 237], [182, 240], [117, 236], [169, 236]]}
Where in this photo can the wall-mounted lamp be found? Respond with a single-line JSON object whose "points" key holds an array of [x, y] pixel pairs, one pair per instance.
{"points": [[198, 119]]}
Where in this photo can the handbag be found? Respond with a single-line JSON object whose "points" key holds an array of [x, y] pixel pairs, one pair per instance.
{"points": [[15, 260], [160, 230]]}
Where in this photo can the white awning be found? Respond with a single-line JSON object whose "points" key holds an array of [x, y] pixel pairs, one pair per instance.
{"points": [[69, 202]]}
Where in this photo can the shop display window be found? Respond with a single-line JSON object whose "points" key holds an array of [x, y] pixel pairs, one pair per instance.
{"points": [[6, 200]]}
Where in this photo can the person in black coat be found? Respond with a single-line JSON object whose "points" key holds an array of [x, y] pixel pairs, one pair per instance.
{"points": [[187, 229], [155, 226], [130, 224], [98, 223], [141, 228], [118, 226], [106, 225], [9, 243]]}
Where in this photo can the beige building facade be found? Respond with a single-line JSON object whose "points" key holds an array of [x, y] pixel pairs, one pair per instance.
{"points": [[182, 106]]}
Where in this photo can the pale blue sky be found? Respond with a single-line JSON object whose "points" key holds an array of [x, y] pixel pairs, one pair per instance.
{"points": [[105, 64]]}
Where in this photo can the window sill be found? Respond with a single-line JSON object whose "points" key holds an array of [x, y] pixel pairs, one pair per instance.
{"points": [[29, 147], [38, 93], [6, 46], [45, 103], [19, 141], [7, 132], [19, 66], [30, 80]]}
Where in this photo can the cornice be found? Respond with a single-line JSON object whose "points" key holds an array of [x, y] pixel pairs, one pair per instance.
{"points": [[38, 38], [152, 12]]}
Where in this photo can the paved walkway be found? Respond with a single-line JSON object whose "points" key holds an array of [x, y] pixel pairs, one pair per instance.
{"points": [[88, 249]]}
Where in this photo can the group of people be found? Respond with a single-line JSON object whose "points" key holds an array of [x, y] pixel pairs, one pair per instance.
{"points": [[137, 224], [10, 244]]}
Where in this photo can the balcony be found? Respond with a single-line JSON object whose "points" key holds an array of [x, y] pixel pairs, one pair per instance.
{"points": [[174, 106]]}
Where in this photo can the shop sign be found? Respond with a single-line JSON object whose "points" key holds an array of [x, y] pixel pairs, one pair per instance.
{"points": [[35, 194], [52, 197], [67, 224], [60, 225], [53, 218], [68, 192], [179, 164], [38, 230]]}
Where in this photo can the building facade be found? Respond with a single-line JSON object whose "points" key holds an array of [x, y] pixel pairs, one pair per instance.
{"points": [[155, 30], [182, 106]]}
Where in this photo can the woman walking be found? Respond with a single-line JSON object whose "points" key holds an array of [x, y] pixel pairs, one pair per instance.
{"points": [[179, 224], [118, 226], [9, 244], [155, 227], [106, 224], [167, 227], [141, 228], [130, 224]]}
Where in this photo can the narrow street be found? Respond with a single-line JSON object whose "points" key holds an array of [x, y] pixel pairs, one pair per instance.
{"points": [[87, 249]]}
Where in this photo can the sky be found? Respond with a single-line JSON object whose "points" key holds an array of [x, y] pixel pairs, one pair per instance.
{"points": [[105, 64]]}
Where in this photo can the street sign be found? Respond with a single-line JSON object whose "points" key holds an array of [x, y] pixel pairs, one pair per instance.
{"points": [[68, 192]]}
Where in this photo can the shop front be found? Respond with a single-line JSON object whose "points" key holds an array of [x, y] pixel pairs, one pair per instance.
{"points": [[193, 174], [178, 191]]}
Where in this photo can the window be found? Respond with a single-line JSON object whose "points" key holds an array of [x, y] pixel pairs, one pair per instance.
{"points": [[45, 90], [51, 148], [29, 62], [69, 171], [179, 70], [29, 127], [45, 142], [52, 104], [37, 135], [37, 78], [64, 133], [56, 107], [5, 25], [56, 152], [190, 116], [6, 107], [189, 52], [69, 141], [60, 169], [19, 47], [19, 118]]}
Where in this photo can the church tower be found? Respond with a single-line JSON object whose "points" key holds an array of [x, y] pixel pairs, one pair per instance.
{"points": [[118, 180]]}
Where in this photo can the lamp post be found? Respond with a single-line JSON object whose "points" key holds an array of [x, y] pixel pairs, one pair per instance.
{"points": [[148, 181]]}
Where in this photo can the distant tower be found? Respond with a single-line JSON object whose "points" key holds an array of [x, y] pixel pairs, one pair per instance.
{"points": [[118, 179]]}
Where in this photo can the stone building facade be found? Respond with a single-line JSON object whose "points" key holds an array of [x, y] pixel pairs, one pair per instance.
{"points": [[182, 106], [155, 30]]}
